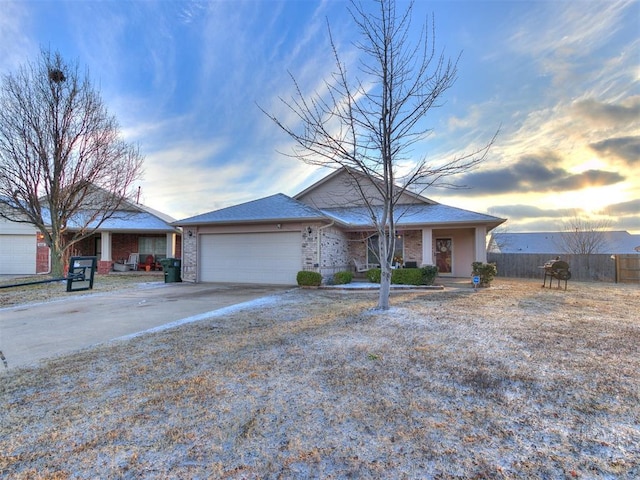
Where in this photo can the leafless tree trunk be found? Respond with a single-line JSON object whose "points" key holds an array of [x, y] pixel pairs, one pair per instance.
{"points": [[64, 167], [583, 236], [369, 124]]}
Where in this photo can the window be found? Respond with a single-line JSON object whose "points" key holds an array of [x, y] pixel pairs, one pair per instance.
{"points": [[373, 250], [156, 246]]}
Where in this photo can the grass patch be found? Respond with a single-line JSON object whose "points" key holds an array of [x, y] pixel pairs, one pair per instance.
{"points": [[514, 381]]}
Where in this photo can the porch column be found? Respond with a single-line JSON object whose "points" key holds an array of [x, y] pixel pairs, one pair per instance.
{"points": [[171, 245], [481, 244], [104, 262], [427, 246], [105, 246]]}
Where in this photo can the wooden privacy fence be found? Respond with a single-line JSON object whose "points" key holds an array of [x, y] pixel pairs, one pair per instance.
{"points": [[595, 267], [628, 268]]}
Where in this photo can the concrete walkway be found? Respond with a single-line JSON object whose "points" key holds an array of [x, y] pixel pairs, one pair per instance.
{"points": [[30, 333]]}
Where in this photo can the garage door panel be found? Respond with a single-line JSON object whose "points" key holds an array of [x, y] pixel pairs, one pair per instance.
{"points": [[17, 254], [273, 258]]}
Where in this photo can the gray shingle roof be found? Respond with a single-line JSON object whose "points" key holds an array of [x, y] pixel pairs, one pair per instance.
{"points": [[134, 221], [415, 214], [122, 220], [277, 207]]}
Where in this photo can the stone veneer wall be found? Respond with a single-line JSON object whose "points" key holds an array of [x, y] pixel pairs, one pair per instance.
{"points": [[189, 254], [310, 248], [335, 252], [333, 247]]}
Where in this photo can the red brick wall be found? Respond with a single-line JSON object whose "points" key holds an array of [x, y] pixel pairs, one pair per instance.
{"points": [[42, 254], [122, 244], [104, 266]]}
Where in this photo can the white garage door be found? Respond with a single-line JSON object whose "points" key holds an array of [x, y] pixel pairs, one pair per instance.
{"points": [[18, 254], [267, 258]]}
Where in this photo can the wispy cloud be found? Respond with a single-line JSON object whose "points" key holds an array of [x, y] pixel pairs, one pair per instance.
{"points": [[15, 43], [183, 78]]}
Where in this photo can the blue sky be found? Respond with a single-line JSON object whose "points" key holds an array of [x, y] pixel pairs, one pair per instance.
{"points": [[561, 79]]}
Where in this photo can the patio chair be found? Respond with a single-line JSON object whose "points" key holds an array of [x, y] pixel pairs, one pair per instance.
{"points": [[148, 265], [132, 262]]}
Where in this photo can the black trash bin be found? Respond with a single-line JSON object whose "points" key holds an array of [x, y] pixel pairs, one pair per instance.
{"points": [[171, 268]]}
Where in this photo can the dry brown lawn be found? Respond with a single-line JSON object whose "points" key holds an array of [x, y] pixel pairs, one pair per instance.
{"points": [[514, 381], [42, 292]]}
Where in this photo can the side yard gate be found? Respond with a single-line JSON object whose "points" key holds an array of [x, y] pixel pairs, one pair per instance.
{"points": [[595, 267], [628, 268]]}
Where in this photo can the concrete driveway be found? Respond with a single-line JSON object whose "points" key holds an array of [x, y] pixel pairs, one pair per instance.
{"points": [[31, 333]]}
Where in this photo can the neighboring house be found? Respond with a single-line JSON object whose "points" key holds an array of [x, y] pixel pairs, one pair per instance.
{"points": [[134, 228], [555, 243], [270, 239]]}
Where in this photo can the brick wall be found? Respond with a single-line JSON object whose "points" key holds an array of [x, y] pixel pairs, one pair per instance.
{"points": [[357, 247], [122, 244], [42, 254], [413, 246]]}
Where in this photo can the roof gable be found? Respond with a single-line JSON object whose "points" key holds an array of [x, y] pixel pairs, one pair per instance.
{"points": [[278, 207], [341, 188]]}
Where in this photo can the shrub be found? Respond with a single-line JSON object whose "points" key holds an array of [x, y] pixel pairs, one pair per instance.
{"points": [[486, 272], [374, 275], [429, 274], [309, 279], [406, 276], [341, 278]]}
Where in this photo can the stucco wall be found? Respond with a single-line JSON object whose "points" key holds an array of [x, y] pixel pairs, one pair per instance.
{"points": [[463, 249]]}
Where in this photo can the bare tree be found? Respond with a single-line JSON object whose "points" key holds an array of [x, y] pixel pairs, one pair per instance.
{"points": [[368, 123], [64, 167], [499, 238], [584, 236]]}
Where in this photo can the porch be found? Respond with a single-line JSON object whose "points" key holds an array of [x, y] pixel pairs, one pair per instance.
{"points": [[452, 250], [114, 250]]}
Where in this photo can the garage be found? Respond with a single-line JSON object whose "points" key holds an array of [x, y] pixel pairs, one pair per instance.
{"points": [[266, 258], [17, 254]]}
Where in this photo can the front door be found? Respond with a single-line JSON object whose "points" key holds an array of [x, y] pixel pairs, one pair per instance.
{"points": [[444, 255]]}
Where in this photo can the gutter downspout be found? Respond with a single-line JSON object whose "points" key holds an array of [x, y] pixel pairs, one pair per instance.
{"points": [[320, 243]]}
